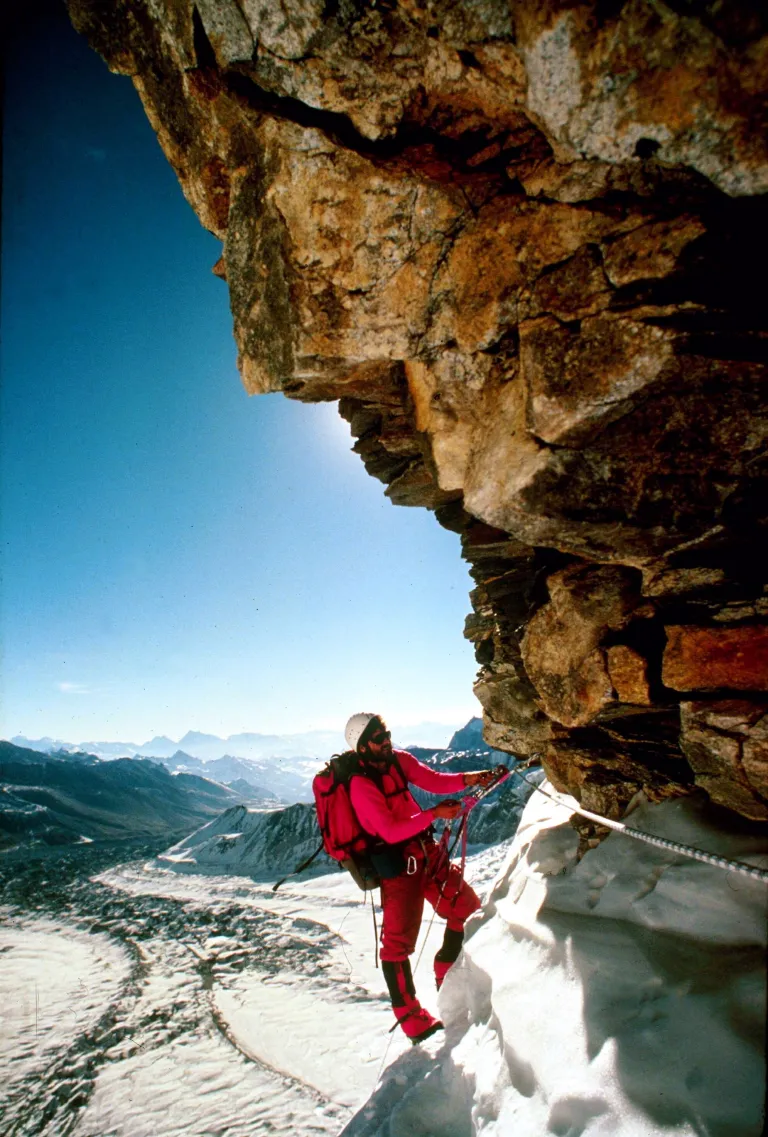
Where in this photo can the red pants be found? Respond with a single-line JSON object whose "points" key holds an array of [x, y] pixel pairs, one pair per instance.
{"points": [[402, 900]]}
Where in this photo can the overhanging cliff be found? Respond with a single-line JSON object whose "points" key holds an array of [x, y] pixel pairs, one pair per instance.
{"points": [[523, 245]]}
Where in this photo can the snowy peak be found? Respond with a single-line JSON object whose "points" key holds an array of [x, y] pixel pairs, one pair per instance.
{"points": [[195, 738], [251, 842], [44, 745], [160, 746]]}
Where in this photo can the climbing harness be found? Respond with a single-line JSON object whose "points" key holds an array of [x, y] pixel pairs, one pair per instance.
{"points": [[469, 800], [660, 842]]}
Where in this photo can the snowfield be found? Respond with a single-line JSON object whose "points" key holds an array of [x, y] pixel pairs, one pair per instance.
{"points": [[54, 986], [622, 995]]}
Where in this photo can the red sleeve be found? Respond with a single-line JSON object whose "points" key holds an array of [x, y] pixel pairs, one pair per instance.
{"points": [[372, 811], [426, 778]]}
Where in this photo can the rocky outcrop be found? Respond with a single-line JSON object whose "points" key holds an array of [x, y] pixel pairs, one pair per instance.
{"points": [[515, 241]]}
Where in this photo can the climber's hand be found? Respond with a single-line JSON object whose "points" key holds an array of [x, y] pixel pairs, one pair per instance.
{"points": [[448, 809], [479, 777]]}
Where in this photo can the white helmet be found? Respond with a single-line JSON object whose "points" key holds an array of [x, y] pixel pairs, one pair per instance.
{"points": [[356, 727]]}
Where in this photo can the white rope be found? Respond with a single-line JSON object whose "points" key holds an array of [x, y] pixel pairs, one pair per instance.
{"points": [[660, 842]]}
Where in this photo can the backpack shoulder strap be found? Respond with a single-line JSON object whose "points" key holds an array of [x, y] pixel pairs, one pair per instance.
{"points": [[399, 768]]}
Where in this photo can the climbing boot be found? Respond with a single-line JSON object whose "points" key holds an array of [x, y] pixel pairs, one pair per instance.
{"points": [[448, 954], [417, 1024], [441, 970]]}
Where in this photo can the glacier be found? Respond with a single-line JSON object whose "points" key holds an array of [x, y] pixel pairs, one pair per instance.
{"points": [[622, 994]]}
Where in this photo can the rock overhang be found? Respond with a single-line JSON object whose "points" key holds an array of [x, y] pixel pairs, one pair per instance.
{"points": [[515, 242]]}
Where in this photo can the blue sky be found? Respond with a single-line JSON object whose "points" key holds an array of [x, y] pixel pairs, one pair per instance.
{"points": [[177, 555]]}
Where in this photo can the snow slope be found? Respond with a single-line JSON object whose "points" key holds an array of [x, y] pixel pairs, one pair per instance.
{"points": [[621, 996], [65, 987]]}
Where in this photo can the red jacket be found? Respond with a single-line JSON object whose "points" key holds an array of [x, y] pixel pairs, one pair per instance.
{"points": [[391, 812]]}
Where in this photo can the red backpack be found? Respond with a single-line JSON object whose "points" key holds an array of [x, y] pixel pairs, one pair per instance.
{"points": [[343, 837]]}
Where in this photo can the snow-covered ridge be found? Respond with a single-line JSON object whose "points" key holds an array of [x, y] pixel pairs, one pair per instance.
{"points": [[620, 996], [251, 842]]}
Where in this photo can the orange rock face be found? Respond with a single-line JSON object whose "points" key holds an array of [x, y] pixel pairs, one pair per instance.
{"points": [[708, 659], [561, 647], [629, 675], [520, 243]]}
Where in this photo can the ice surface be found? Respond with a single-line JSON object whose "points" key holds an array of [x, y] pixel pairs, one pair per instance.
{"points": [[55, 986]]}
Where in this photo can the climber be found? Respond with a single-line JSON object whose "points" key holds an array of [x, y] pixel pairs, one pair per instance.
{"points": [[411, 865]]}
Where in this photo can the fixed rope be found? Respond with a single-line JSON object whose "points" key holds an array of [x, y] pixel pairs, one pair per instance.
{"points": [[660, 842]]}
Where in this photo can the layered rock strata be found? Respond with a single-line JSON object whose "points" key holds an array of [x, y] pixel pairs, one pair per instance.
{"points": [[523, 246]]}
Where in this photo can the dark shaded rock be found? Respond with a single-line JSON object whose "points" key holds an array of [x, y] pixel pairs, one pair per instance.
{"points": [[726, 744], [65, 801]]}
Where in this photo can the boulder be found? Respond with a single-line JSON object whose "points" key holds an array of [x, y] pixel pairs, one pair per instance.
{"points": [[726, 744]]}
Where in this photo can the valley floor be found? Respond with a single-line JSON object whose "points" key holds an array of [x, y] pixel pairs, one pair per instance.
{"points": [[138, 1001], [620, 995]]}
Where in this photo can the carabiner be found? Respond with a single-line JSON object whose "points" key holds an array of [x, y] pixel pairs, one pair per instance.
{"points": [[412, 866]]}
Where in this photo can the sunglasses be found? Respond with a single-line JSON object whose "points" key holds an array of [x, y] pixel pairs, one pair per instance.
{"points": [[380, 736]]}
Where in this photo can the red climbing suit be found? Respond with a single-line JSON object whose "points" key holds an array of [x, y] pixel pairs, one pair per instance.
{"points": [[386, 809]]}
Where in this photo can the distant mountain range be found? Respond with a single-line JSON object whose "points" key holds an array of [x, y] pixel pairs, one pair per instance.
{"points": [[206, 747], [258, 747], [69, 795], [283, 779], [58, 801]]}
